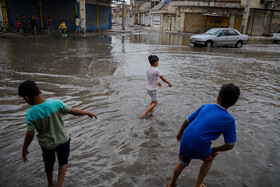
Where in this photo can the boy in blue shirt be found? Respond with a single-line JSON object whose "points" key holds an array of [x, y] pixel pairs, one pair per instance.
{"points": [[206, 124], [46, 117]]}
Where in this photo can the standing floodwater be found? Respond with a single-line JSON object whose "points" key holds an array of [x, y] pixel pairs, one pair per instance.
{"points": [[107, 75]]}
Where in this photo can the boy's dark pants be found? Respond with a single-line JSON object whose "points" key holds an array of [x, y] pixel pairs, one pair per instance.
{"points": [[62, 151]]}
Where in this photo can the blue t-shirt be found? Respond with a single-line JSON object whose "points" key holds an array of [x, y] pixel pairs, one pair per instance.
{"points": [[206, 124]]}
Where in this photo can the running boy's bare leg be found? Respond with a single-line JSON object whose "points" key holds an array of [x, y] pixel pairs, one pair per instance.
{"points": [[150, 108], [61, 174], [50, 179], [177, 171], [204, 168]]}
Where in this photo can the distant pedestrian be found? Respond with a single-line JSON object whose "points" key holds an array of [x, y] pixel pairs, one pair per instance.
{"points": [[77, 23], [23, 21], [198, 131], [63, 28], [33, 20], [50, 25], [45, 116], [17, 23], [152, 75]]}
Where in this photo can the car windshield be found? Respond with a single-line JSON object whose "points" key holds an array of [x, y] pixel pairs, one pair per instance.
{"points": [[213, 31]]}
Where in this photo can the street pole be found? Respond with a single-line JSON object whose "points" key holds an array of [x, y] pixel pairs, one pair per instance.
{"points": [[123, 16], [245, 16], [83, 16]]}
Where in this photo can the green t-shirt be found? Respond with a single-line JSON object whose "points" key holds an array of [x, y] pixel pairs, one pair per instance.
{"points": [[46, 118]]}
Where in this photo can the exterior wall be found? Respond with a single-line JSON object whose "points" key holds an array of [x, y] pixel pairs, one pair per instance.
{"points": [[98, 16], [16, 8], [91, 16], [104, 18], [1, 14], [254, 3], [62, 10], [194, 23], [275, 23], [147, 20], [52, 8], [256, 24]]}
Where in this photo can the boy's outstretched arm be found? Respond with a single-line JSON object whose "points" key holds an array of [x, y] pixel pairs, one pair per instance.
{"points": [[27, 140], [164, 80], [221, 148], [78, 112], [183, 127]]}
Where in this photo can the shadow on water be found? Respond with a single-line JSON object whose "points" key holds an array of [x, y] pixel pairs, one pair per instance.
{"points": [[106, 75]]}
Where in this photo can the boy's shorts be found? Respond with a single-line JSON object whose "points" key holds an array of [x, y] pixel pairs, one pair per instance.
{"points": [[185, 161], [153, 94], [62, 151]]}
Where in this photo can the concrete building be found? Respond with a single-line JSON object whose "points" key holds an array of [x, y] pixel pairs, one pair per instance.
{"points": [[199, 16], [97, 12], [163, 16]]}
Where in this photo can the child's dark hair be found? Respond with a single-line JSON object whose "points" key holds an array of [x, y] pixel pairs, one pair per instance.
{"points": [[153, 59], [29, 89], [229, 94]]}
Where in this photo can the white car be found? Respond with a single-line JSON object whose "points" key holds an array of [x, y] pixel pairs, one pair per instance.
{"points": [[276, 37], [220, 37]]}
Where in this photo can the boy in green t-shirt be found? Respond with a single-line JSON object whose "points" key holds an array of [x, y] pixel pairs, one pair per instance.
{"points": [[45, 116]]}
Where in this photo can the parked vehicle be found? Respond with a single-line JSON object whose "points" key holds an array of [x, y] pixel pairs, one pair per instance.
{"points": [[219, 37], [7, 27], [276, 37]]}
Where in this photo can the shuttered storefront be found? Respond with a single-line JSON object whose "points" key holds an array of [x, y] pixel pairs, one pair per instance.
{"points": [[104, 18], [194, 23], [59, 10]]}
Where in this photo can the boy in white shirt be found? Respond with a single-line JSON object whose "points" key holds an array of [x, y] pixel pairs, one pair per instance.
{"points": [[152, 75]]}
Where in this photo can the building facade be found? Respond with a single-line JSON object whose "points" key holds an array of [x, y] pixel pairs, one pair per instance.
{"points": [[198, 16], [98, 12]]}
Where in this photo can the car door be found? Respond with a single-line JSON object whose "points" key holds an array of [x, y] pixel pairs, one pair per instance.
{"points": [[221, 38], [233, 37]]}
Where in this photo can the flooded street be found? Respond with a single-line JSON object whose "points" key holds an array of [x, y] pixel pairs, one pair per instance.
{"points": [[106, 75]]}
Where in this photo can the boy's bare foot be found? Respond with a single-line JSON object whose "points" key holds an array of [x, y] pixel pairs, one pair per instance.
{"points": [[142, 116]]}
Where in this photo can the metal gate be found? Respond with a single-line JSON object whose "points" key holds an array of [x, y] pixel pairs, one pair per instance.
{"points": [[59, 10]]}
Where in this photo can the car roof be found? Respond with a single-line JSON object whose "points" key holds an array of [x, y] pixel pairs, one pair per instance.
{"points": [[224, 28]]}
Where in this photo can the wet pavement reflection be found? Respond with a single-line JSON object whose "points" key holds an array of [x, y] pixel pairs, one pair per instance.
{"points": [[106, 75]]}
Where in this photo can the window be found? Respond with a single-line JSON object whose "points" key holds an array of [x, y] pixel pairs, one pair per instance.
{"points": [[232, 33], [223, 33]]}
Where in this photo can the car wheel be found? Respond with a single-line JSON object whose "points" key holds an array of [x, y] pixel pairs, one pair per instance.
{"points": [[274, 41], [196, 45], [209, 44], [239, 44]]}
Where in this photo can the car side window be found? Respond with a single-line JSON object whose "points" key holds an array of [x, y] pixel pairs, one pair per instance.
{"points": [[232, 33], [223, 33]]}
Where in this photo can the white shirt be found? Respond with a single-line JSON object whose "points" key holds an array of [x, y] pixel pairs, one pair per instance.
{"points": [[77, 22], [152, 75]]}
